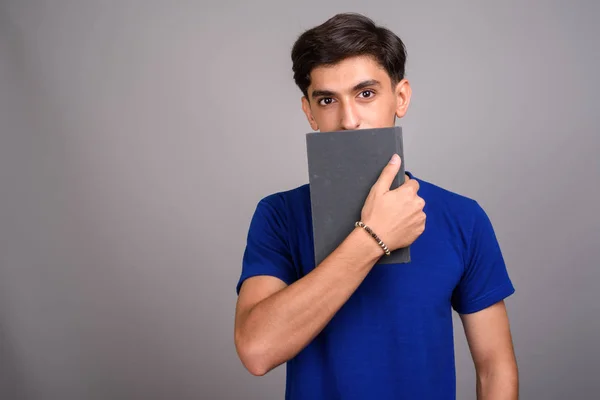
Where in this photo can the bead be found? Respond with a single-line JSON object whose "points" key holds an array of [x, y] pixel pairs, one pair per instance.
{"points": [[383, 246]]}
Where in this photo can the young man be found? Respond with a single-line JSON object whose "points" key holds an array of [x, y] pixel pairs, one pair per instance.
{"points": [[350, 328]]}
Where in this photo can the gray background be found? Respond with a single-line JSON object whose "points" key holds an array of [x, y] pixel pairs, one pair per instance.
{"points": [[137, 137]]}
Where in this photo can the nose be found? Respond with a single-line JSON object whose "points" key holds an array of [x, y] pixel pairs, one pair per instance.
{"points": [[350, 118]]}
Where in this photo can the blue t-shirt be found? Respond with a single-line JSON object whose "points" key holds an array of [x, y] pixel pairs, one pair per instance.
{"points": [[393, 339]]}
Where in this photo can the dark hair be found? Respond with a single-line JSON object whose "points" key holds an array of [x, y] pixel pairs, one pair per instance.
{"points": [[342, 36]]}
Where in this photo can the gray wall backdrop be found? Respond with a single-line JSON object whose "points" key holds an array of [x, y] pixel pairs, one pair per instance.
{"points": [[137, 137]]}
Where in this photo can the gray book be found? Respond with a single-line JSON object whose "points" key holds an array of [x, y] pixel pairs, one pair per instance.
{"points": [[342, 168]]}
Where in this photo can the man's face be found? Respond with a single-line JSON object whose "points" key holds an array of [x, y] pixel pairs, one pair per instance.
{"points": [[356, 93]]}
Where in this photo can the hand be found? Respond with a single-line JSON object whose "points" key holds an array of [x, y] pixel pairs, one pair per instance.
{"points": [[396, 216]]}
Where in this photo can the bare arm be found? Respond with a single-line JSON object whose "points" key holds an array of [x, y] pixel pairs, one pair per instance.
{"points": [[490, 342], [274, 322], [272, 330]]}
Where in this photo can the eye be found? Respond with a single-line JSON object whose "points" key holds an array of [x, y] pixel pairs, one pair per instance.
{"points": [[325, 101], [367, 93]]}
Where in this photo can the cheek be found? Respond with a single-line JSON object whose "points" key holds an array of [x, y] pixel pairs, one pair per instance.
{"points": [[326, 118], [381, 112]]}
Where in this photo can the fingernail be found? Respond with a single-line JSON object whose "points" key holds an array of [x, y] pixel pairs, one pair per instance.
{"points": [[395, 159]]}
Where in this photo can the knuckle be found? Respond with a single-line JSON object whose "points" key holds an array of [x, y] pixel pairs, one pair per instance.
{"points": [[375, 189], [422, 225]]}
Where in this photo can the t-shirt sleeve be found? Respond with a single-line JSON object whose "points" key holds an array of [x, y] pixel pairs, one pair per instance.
{"points": [[485, 280], [267, 246]]}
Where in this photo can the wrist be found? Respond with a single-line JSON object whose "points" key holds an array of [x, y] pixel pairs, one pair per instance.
{"points": [[367, 228], [367, 244]]}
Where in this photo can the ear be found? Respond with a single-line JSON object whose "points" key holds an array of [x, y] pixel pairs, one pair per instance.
{"points": [[308, 113], [403, 93]]}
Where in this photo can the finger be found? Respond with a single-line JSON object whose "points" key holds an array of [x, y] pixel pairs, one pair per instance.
{"points": [[411, 184], [388, 174], [415, 184]]}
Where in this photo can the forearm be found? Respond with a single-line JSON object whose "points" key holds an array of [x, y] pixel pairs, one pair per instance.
{"points": [[498, 382], [280, 326]]}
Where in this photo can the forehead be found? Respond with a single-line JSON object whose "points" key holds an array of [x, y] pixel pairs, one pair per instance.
{"points": [[346, 74]]}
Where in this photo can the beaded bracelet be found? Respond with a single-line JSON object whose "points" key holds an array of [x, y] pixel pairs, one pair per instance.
{"points": [[360, 224]]}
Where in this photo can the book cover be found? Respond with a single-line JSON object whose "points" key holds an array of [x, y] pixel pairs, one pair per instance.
{"points": [[342, 168]]}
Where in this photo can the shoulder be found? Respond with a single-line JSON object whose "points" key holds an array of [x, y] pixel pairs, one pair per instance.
{"points": [[287, 196], [441, 199], [284, 201], [279, 209], [456, 217]]}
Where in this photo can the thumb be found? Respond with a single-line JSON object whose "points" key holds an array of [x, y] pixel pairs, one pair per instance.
{"points": [[388, 174]]}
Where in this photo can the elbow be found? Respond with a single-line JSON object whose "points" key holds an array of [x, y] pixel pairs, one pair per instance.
{"points": [[252, 355], [257, 370], [502, 375], [255, 365]]}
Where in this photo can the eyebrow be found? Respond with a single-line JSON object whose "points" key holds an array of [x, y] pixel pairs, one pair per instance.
{"points": [[361, 85]]}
